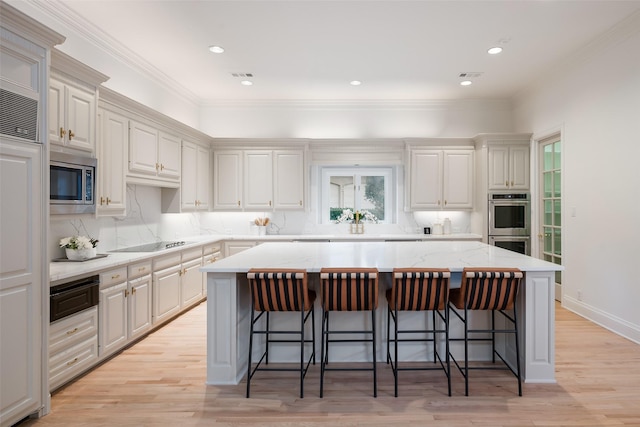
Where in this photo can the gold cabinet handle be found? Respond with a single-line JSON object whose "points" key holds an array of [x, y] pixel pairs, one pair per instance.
{"points": [[133, 291], [141, 269], [445, 203], [72, 362], [102, 201], [300, 202], [126, 293], [62, 132], [269, 202], [108, 201], [73, 331], [506, 183], [71, 135], [213, 259], [161, 166], [512, 183], [117, 276], [238, 202], [157, 166]]}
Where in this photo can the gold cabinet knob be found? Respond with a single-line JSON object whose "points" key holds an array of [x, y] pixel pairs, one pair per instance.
{"points": [[62, 132], [71, 135]]}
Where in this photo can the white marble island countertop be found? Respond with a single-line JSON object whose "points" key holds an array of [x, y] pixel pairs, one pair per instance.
{"points": [[385, 256]]}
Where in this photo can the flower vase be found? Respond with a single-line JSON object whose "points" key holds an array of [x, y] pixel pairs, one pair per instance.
{"points": [[81, 254], [356, 228]]}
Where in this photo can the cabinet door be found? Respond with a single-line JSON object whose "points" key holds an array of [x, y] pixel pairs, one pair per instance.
{"points": [[143, 148], [258, 179], [203, 182], [111, 163], [458, 179], [519, 167], [57, 129], [139, 306], [426, 179], [166, 293], [288, 179], [169, 154], [498, 168], [21, 287], [189, 183], [81, 116], [227, 169], [113, 318], [232, 248], [191, 282]]}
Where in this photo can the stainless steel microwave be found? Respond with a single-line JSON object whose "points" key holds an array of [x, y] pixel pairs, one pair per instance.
{"points": [[72, 183]]}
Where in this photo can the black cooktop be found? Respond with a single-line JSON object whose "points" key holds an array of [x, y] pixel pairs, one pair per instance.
{"points": [[151, 247]]}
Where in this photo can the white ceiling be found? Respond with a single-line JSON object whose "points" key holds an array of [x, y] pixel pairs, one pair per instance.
{"points": [[311, 50]]}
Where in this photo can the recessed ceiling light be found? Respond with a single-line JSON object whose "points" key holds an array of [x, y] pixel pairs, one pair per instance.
{"points": [[355, 83], [246, 82], [465, 82], [494, 50], [216, 49]]}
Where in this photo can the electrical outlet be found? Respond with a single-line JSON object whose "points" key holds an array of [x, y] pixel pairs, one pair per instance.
{"points": [[580, 295]]}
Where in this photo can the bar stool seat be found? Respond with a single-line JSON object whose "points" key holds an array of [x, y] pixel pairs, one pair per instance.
{"points": [[280, 290], [348, 289], [494, 290], [419, 290]]}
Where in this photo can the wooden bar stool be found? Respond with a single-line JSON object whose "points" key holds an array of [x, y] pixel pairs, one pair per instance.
{"points": [[280, 290], [348, 289], [493, 289], [419, 290]]}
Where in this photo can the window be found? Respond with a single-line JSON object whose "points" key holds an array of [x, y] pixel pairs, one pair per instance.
{"points": [[369, 189]]}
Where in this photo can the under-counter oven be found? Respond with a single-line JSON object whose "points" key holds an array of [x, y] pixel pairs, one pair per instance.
{"points": [[72, 297], [518, 244], [509, 214]]}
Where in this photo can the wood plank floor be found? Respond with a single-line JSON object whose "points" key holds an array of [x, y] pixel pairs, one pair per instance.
{"points": [[160, 382]]}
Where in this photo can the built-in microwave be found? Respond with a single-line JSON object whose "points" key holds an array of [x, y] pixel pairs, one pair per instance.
{"points": [[72, 183], [509, 214]]}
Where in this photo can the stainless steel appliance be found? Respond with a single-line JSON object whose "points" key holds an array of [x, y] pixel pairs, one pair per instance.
{"points": [[73, 297], [72, 183], [152, 247], [509, 221]]}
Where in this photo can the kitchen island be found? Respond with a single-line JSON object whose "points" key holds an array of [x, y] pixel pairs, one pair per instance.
{"points": [[228, 301]]}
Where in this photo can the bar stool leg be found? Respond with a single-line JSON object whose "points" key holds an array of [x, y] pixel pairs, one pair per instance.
{"points": [[373, 325]]}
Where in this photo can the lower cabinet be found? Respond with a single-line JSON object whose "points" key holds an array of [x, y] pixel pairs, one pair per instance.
{"points": [[191, 280], [234, 247], [210, 254], [73, 346], [167, 272]]}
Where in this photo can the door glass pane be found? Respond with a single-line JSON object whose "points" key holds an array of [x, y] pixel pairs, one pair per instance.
{"points": [[547, 158], [548, 212], [556, 184], [557, 213], [556, 155], [548, 184], [557, 242], [548, 233]]}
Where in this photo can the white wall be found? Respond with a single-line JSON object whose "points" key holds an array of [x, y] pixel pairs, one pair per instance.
{"points": [[595, 101]]}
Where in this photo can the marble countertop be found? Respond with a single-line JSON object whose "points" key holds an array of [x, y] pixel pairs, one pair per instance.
{"points": [[385, 256], [60, 271]]}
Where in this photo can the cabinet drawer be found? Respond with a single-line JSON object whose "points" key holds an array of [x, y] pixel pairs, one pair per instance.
{"points": [[189, 254], [161, 263], [211, 249], [113, 277], [211, 257], [67, 364], [139, 269], [73, 329]]}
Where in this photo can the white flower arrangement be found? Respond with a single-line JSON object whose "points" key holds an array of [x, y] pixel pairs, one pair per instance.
{"points": [[356, 217], [78, 242]]}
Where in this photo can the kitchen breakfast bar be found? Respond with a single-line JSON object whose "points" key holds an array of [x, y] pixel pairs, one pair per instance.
{"points": [[228, 302]]}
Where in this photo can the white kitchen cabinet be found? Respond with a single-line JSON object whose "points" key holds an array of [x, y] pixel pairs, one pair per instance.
{"points": [[234, 247], [139, 299], [441, 179], [112, 156], [167, 272], [73, 346], [210, 254], [261, 180], [113, 310], [258, 180], [508, 167], [73, 97], [153, 154], [191, 280], [195, 185], [288, 179], [227, 181]]}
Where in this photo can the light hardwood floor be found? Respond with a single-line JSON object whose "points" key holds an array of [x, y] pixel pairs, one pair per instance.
{"points": [[160, 382]]}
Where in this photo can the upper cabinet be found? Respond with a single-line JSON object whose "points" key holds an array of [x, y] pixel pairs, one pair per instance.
{"points": [[440, 179], [195, 187], [73, 94], [258, 179], [113, 131], [154, 154], [508, 167]]}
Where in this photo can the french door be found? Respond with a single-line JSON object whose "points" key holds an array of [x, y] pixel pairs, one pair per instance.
{"points": [[550, 203]]}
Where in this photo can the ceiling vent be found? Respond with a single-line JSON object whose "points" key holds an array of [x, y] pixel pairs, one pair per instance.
{"points": [[471, 74], [242, 75]]}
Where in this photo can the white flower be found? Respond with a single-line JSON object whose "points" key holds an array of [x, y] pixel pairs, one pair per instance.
{"points": [[78, 242], [363, 215]]}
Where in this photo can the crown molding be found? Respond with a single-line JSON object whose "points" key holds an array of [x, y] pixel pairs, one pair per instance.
{"points": [[97, 37]]}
